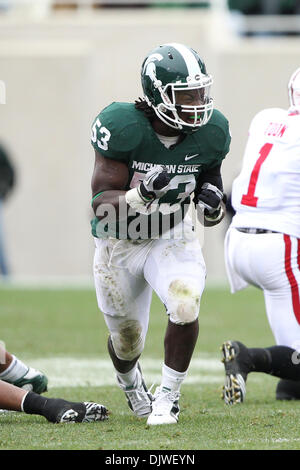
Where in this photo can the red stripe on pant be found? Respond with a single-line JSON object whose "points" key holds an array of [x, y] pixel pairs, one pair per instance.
{"points": [[290, 275]]}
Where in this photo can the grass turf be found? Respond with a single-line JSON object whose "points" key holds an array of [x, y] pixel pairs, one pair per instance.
{"points": [[53, 323]]}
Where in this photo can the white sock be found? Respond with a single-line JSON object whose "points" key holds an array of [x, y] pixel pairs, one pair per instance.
{"points": [[15, 370], [129, 377], [171, 379]]}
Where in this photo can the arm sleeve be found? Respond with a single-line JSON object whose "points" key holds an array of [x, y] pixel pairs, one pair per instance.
{"points": [[212, 176]]}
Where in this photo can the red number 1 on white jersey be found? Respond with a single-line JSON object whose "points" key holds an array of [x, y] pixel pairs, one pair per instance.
{"points": [[249, 199]]}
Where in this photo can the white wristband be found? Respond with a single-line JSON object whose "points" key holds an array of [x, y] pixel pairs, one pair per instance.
{"points": [[135, 201]]}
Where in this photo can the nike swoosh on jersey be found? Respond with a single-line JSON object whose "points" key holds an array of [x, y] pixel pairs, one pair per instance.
{"points": [[188, 157]]}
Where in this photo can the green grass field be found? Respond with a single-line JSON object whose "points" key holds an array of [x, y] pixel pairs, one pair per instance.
{"points": [[62, 332]]}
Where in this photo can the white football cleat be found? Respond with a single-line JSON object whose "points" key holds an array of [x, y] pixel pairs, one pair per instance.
{"points": [[165, 407], [138, 397]]}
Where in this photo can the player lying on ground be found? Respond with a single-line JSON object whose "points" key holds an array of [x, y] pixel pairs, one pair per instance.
{"points": [[262, 247], [14, 371], [54, 410]]}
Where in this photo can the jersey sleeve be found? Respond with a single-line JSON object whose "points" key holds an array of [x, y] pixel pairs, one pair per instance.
{"points": [[220, 138], [115, 133], [215, 139]]}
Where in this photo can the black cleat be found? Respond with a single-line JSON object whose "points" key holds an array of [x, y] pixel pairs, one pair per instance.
{"points": [[237, 363], [62, 411]]}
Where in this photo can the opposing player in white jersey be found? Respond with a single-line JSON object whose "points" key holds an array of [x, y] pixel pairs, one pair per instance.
{"points": [[262, 247]]}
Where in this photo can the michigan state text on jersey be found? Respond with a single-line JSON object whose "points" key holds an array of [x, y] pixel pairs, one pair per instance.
{"points": [[151, 158]]}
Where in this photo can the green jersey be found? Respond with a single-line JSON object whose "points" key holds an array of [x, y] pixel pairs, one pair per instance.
{"points": [[121, 132]]}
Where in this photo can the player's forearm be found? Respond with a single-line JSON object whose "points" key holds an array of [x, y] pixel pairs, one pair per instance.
{"points": [[119, 204], [139, 199], [104, 200]]}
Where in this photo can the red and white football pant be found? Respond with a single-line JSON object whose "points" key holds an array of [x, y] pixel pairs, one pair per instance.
{"points": [[271, 262]]}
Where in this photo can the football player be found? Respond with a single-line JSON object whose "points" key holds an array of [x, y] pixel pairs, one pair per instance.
{"points": [[14, 371], [262, 247], [151, 157], [55, 410]]}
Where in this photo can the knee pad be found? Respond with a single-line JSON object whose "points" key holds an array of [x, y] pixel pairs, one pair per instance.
{"points": [[128, 341], [183, 302]]}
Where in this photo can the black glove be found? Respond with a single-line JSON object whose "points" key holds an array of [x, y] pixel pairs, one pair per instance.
{"points": [[155, 185], [211, 200]]}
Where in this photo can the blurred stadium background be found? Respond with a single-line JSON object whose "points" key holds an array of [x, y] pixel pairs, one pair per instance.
{"points": [[62, 61]]}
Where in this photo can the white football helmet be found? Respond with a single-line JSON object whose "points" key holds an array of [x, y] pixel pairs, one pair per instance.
{"points": [[294, 89]]}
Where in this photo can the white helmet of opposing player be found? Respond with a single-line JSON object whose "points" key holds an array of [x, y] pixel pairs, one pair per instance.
{"points": [[294, 89]]}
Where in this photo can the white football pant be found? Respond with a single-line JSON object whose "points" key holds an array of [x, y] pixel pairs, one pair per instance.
{"points": [[271, 262], [126, 272]]}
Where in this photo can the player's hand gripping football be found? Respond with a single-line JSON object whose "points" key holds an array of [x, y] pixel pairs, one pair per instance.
{"points": [[154, 186], [212, 201]]}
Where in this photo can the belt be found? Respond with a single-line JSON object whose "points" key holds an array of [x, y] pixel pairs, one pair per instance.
{"points": [[254, 230]]}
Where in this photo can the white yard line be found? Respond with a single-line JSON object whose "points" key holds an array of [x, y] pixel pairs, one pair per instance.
{"points": [[73, 372]]}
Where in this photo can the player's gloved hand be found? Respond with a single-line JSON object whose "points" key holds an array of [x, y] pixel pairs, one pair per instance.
{"points": [[154, 186], [212, 202]]}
